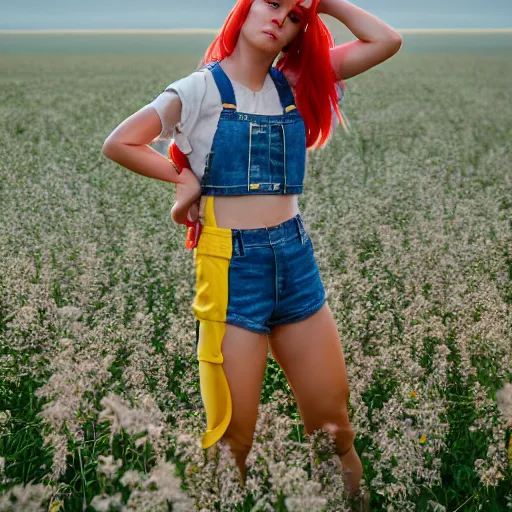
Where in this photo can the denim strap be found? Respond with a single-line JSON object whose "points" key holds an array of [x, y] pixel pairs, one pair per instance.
{"points": [[224, 85], [283, 88], [228, 94]]}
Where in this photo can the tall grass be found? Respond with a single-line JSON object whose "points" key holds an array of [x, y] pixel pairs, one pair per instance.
{"points": [[411, 219]]}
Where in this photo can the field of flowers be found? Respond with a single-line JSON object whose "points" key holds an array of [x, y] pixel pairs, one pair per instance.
{"points": [[411, 218]]}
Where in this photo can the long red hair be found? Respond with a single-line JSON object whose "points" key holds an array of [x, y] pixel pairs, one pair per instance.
{"points": [[307, 57]]}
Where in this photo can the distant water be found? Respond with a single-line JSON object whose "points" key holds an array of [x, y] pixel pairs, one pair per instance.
{"points": [[188, 44]]}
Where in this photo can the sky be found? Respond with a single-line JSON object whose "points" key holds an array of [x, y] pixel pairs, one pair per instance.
{"points": [[147, 14]]}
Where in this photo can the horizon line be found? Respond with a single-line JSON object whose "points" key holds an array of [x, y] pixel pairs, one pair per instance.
{"points": [[217, 30]]}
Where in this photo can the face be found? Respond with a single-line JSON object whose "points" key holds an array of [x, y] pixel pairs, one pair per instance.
{"points": [[271, 25]]}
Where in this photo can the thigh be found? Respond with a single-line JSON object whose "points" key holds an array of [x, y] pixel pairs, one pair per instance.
{"points": [[245, 358], [310, 353]]}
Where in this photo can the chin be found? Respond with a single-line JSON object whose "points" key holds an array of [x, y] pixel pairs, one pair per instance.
{"points": [[264, 44], [266, 48]]}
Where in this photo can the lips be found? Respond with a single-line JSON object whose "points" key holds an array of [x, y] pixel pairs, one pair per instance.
{"points": [[270, 34]]}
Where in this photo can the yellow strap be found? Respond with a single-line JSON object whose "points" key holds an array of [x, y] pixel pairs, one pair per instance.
{"points": [[229, 105], [289, 108], [209, 212]]}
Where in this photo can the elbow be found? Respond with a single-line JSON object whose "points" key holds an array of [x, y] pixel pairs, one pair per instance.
{"points": [[395, 42], [108, 149], [390, 46]]}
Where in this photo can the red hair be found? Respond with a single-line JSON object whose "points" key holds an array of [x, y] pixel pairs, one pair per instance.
{"points": [[307, 57]]}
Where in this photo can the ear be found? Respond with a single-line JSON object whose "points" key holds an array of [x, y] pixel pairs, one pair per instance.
{"points": [[306, 4]]}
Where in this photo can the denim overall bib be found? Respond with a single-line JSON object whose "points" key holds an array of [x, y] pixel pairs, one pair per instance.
{"points": [[253, 278], [252, 153]]}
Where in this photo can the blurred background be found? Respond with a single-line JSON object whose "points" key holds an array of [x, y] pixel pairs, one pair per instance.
{"points": [[105, 14], [65, 27]]}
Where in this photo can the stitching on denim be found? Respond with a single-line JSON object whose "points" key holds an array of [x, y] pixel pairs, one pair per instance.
{"points": [[240, 247], [246, 323], [276, 290], [301, 314], [284, 155], [302, 231]]}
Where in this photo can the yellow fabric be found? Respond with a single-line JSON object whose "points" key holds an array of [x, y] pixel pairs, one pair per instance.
{"points": [[214, 385], [212, 256], [209, 212]]}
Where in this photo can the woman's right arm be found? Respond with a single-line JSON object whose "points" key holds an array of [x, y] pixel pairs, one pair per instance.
{"points": [[128, 144]]}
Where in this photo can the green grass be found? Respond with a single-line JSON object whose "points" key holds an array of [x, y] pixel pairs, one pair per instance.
{"points": [[411, 220]]}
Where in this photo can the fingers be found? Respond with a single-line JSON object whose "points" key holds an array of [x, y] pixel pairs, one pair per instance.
{"points": [[187, 198], [193, 212], [179, 213]]}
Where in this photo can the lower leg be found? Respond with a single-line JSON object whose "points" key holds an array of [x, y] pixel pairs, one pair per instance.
{"points": [[348, 460], [352, 471], [244, 361], [239, 453]]}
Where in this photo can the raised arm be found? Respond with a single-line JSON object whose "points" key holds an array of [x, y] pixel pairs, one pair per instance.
{"points": [[376, 42]]}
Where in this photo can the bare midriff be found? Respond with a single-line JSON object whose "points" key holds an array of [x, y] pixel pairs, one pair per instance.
{"points": [[254, 211]]}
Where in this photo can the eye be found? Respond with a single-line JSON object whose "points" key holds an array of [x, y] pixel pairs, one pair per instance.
{"points": [[294, 17]]}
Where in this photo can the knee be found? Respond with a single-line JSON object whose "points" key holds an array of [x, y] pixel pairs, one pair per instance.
{"points": [[342, 433]]}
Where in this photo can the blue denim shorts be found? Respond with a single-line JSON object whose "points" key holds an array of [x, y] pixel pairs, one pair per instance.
{"points": [[257, 278]]}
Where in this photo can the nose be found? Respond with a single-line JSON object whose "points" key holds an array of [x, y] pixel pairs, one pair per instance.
{"points": [[279, 21]]}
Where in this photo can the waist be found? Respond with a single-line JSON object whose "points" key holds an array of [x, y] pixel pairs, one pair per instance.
{"points": [[249, 212], [290, 229]]}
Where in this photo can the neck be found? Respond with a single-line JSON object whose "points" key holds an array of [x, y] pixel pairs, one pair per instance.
{"points": [[248, 66]]}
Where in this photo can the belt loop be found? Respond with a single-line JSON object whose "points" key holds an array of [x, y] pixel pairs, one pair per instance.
{"points": [[302, 231], [240, 249]]}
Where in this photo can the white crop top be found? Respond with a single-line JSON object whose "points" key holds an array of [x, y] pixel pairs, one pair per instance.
{"points": [[200, 112]]}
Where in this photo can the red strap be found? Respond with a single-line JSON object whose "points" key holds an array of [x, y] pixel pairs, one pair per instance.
{"points": [[178, 157], [194, 229]]}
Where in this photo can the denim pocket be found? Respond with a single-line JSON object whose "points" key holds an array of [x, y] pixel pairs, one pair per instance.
{"points": [[295, 153], [305, 238], [258, 152], [212, 257], [277, 154]]}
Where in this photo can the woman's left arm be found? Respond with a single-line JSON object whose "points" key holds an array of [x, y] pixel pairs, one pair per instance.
{"points": [[376, 42]]}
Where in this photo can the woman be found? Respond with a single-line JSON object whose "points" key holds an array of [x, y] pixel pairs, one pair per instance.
{"points": [[245, 126]]}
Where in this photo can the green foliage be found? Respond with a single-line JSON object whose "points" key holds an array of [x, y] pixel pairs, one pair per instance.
{"points": [[411, 223]]}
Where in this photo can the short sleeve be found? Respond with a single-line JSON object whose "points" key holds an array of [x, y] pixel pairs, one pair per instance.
{"points": [[191, 91], [162, 106]]}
